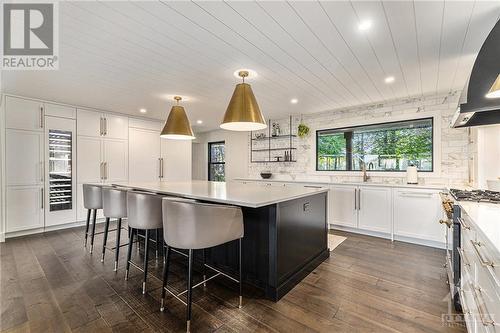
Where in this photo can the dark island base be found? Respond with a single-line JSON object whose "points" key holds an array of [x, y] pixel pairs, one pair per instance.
{"points": [[283, 243]]}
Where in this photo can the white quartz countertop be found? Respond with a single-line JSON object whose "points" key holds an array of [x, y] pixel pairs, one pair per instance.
{"points": [[369, 183], [252, 195], [486, 216]]}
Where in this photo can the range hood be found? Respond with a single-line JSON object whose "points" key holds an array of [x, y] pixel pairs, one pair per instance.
{"points": [[474, 109]]}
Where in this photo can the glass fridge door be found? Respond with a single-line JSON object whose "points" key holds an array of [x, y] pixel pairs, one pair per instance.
{"points": [[60, 170]]}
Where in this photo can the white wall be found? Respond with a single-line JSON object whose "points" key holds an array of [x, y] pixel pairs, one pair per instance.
{"points": [[451, 148], [488, 155], [236, 150]]}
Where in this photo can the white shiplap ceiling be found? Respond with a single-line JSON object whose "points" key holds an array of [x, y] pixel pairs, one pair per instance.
{"points": [[123, 56]]}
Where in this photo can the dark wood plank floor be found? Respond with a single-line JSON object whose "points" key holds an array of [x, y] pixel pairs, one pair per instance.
{"points": [[50, 283]]}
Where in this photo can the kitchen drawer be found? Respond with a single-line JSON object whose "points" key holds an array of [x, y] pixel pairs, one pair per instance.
{"points": [[489, 260], [472, 314]]}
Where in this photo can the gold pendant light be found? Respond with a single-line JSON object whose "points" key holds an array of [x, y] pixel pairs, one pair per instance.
{"points": [[243, 113], [494, 91], [177, 126]]}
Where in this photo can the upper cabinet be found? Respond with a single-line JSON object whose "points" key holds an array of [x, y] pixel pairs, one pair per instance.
{"points": [[24, 114], [88, 123], [60, 111], [92, 123]]}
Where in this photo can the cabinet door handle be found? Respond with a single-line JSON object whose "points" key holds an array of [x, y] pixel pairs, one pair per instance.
{"points": [[42, 194], [100, 170], [105, 170], [480, 304], [41, 116], [160, 167], [462, 223], [355, 199], [100, 126], [484, 262], [41, 171], [105, 126], [359, 199]]}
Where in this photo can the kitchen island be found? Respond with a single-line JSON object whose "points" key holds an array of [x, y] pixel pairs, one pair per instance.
{"points": [[285, 229]]}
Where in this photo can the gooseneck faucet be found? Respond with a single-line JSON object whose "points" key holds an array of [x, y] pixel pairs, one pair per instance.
{"points": [[365, 175]]}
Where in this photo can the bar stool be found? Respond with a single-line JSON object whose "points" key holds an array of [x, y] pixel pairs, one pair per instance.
{"points": [[194, 226], [92, 201], [143, 213], [114, 202]]}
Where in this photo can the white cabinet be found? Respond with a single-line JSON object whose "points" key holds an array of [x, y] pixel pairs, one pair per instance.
{"points": [[342, 205], [24, 208], [24, 158], [374, 208], [24, 114], [144, 155], [93, 123], [89, 123], [115, 127], [177, 160], [89, 159], [417, 213], [61, 111], [115, 159]]}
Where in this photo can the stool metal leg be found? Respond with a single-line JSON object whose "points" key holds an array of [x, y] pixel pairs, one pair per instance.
{"points": [[241, 273], [105, 239], [146, 250], [117, 250], [87, 227], [204, 268], [165, 277], [189, 291], [157, 243], [93, 231], [129, 251]]}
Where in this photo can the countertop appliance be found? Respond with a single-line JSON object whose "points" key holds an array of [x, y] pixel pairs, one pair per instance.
{"points": [[476, 195], [474, 108]]}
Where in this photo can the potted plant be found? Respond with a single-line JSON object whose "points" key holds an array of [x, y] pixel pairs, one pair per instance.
{"points": [[302, 130]]}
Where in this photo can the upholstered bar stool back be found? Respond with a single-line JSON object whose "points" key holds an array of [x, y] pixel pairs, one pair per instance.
{"points": [[92, 201], [143, 213], [114, 204]]}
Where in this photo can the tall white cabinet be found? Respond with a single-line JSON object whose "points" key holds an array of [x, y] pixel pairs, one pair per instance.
{"points": [[24, 164], [102, 155]]}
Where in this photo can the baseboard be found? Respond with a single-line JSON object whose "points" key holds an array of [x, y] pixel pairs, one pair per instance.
{"points": [[2, 237], [412, 240], [46, 229]]}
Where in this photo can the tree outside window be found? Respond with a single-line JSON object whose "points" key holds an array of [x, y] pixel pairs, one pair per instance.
{"points": [[381, 147], [216, 161]]}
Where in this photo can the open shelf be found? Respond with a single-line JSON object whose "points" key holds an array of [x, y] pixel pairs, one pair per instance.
{"points": [[270, 147]]}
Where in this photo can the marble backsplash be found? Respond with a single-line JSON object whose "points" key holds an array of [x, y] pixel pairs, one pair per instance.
{"points": [[455, 147]]}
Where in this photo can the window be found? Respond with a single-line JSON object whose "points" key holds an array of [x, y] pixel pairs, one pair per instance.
{"points": [[382, 147], [216, 161]]}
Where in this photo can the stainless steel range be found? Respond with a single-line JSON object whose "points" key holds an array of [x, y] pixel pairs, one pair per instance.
{"points": [[455, 224]]}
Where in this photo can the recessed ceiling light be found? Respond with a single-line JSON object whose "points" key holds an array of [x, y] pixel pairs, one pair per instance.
{"points": [[365, 25], [294, 101], [251, 73], [389, 79], [199, 122], [143, 110]]}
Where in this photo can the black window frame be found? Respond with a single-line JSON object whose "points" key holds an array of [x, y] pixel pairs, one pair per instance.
{"points": [[340, 129], [210, 158]]}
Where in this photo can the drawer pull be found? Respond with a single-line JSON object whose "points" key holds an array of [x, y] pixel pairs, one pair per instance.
{"points": [[463, 224], [479, 302], [462, 296], [462, 255], [483, 261]]}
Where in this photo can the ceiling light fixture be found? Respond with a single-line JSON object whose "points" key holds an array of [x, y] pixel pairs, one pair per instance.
{"points": [[199, 122], [365, 25], [177, 126], [294, 101], [494, 91], [389, 79], [243, 112], [143, 111]]}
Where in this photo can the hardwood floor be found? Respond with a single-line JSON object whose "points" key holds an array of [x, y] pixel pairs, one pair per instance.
{"points": [[50, 283]]}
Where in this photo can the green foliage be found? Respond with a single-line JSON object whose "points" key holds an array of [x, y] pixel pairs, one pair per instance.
{"points": [[303, 130]]}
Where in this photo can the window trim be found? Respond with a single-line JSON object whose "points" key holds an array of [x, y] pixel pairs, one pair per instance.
{"points": [[210, 160], [433, 150]]}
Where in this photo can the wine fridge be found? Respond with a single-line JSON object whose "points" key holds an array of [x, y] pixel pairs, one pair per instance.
{"points": [[60, 170]]}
